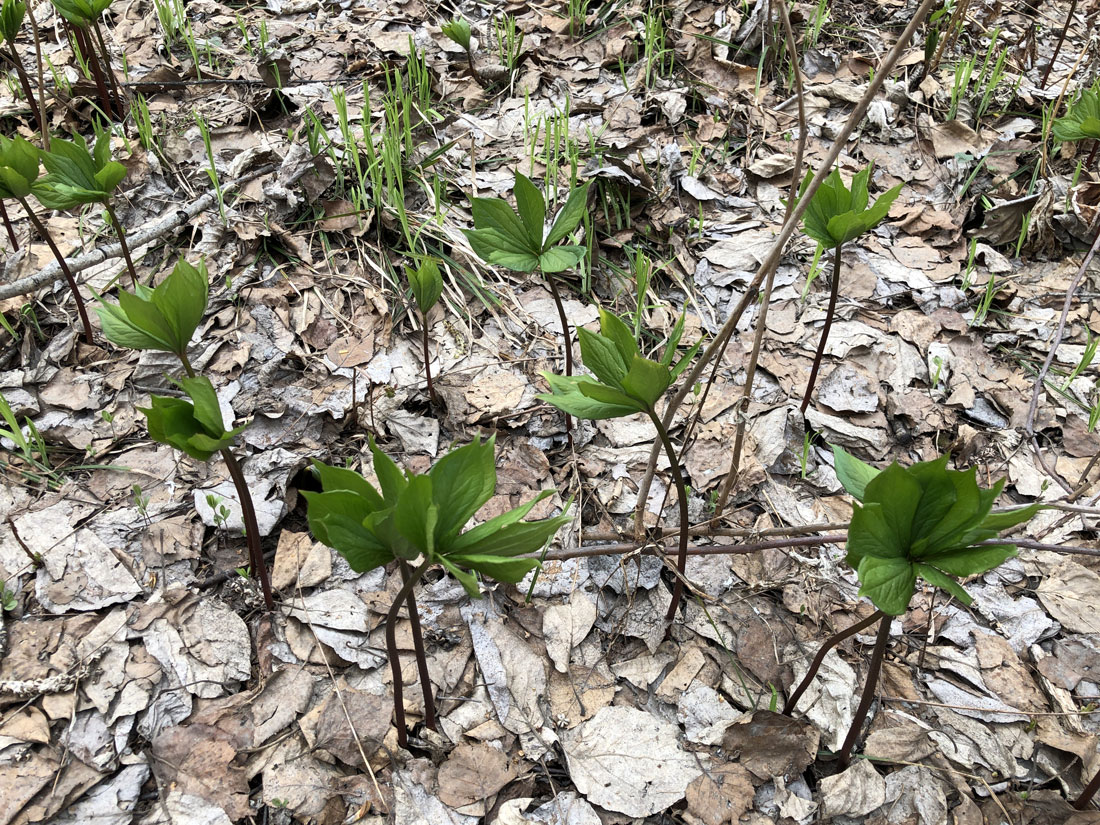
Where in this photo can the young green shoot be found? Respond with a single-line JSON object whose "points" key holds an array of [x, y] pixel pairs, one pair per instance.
{"points": [[458, 30], [524, 244], [920, 522], [77, 176], [165, 319], [18, 178], [625, 382], [836, 215], [1082, 121], [427, 287], [421, 517]]}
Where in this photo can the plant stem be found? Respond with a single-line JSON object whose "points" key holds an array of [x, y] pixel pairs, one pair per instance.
{"points": [[868, 691], [418, 649], [1092, 154], [248, 511], [41, 230], [1058, 47], [826, 646], [681, 495], [473, 69], [391, 651], [80, 36], [251, 527], [9, 227], [1088, 793], [25, 82], [41, 76], [121, 233], [568, 344], [427, 359], [120, 110], [833, 292]]}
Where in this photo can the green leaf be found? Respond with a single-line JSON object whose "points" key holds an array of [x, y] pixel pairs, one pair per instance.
{"points": [[462, 481], [501, 569], [458, 30], [1082, 121], [516, 538], [888, 583], [559, 258], [176, 422], [467, 580], [356, 543], [532, 209], [837, 214], [11, 18], [390, 478], [416, 514], [971, 561], [468, 541], [569, 216], [937, 579], [615, 330], [602, 357], [205, 401], [497, 215], [426, 283], [119, 330], [1002, 521], [853, 473], [609, 395], [330, 504], [566, 395], [646, 381], [340, 478], [21, 160], [181, 299], [496, 248]]}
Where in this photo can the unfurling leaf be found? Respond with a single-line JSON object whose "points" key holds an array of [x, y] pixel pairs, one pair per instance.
{"points": [[1082, 121], [837, 214], [458, 30], [76, 175], [164, 318], [423, 514], [194, 427], [426, 283], [924, 520]]}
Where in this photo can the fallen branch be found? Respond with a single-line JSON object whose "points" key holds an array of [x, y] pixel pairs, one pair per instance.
{"points": [[104, 252]]}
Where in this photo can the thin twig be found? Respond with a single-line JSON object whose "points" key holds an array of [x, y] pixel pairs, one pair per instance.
{"points": [[717, 347], [103, 252]]}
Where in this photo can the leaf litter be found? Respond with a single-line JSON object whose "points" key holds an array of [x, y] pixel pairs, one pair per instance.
{"points": [[136, 687]]}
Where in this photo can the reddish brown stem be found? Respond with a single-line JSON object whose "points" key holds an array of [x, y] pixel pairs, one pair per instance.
{"points": [[45, 234], [251, 527], [28, 92], [120, 109], [80, 37], [121, 233], [1058, 46], [391, 651], [1088, 793], [427, 359], [685, 528], [869, 686], [568, 344], [1092, 154], [826, 646], [418, 649], [833, 292], [7, 225]]}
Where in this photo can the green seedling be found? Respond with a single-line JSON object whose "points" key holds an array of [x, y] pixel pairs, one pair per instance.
{"points": [[1087, 356], [458, 30], [18, 179], [522, 242], [625, 382], [422, 517], [835, 216], [84, 16], [427, 287], [32, 448], [9, 598], [220, 509], [918, 522], [1081, 122], [211, 169], [165, 319], [78, 176], [12, 13], [141, 501]]}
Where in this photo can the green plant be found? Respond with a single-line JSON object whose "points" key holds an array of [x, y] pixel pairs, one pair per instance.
{"points": [[164, 319], [11, 19], [922, 521], [78, 176], [9, 598], [458, 30], [219, 508], [422, 516], [625, 383], [982, 310], [141, 501], [427, 287], [656, 54], [212, 168], [509, 39], [523, 243], [1087, 355], [32, 448], [18, 176], [836, 215], [1081, 121]]}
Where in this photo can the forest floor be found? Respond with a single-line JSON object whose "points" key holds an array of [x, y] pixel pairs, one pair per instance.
{"points": [[142, 680]]}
